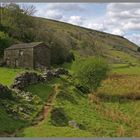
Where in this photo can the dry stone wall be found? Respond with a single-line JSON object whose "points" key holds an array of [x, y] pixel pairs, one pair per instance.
{"points": [[26, 79], [29, 78]]}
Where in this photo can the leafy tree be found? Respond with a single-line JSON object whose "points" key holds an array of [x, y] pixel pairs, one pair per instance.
{"points": [[90, 72], [5, 41], [18, 22], [59, 52]]}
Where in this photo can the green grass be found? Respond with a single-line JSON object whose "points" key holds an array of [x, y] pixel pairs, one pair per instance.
{"points": [[8, 124], [101, 118], [43, 90], [7, 75], [114, 112], [123, 56], [126, 69]]}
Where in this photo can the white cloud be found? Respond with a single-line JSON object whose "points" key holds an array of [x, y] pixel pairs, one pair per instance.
{"points": [[58, 10], [54, 15], [67, 7], [117, 31], [118, 19], [124, 15], [77, 20], [134, 38], [96, 26]]}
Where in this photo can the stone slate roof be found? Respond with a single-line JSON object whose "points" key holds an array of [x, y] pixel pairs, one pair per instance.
{"points": [[24, 45]]}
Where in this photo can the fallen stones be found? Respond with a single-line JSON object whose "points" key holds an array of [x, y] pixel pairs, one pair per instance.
{"points": [[49, 74]]}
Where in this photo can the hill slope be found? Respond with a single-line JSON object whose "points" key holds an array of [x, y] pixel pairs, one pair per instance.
{"points": [[62, 37], [88, 42]]}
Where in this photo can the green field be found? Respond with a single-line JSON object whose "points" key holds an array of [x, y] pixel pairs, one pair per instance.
{"points": [[7, 75], [125, 69], [10, 121], [112, 112], [107, 115]]}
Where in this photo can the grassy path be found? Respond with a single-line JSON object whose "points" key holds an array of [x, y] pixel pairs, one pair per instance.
{"points": [[46, 110], [50, 101]]}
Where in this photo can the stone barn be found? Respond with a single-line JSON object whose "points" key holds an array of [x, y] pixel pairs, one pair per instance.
{"points": [[28, 55]]}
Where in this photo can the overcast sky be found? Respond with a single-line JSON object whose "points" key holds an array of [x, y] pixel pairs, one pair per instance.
{"points": [[116, 18]]}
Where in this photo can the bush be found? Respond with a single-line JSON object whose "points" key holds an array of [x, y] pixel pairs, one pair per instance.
{"points": [[5, 41], [58, 117], [90, 72], [60, 54]]}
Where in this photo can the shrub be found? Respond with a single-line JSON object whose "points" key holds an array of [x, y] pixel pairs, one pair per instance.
{"points": [[60, 54], [90, 72], [58, 117], [5, 41]]}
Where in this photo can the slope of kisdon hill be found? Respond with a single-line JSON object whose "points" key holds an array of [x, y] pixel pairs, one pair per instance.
{"points": [[90, 42]]}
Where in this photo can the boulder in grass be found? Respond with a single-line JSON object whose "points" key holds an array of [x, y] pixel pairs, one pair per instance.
{"points": [[73, 124], [61, 71]]}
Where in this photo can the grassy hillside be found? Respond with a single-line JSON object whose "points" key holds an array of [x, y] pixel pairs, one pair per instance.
{"points": [[19, 111], [87, 42], [63, 37], [110, 113]]}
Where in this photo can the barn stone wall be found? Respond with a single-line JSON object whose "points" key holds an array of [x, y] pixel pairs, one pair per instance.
{"points": [[41, 57], [19, 57]]}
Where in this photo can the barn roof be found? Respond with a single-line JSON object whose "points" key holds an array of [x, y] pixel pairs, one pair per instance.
{"points": [[24, 45]]}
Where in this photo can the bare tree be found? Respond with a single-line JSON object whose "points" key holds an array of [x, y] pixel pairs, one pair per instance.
{"points": [[29, 9]]}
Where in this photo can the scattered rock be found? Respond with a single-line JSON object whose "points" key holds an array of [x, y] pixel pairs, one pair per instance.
{"points": [[60, 71], [50, 74], [73, 124]]}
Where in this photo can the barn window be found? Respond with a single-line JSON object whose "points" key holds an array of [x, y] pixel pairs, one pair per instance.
{"points": [[20, 53], [7, 61]]}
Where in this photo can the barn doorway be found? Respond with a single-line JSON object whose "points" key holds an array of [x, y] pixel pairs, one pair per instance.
{"points": [[16, 63], [7, 62]]}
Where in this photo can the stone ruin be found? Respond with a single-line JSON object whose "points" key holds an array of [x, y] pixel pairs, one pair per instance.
{"points": [[29, 78], [26, 79]]}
